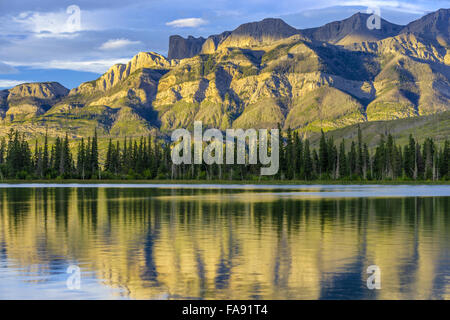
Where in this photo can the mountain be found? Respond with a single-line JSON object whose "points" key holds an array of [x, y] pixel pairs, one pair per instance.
{"points": [[28, 100], [259, 75]]}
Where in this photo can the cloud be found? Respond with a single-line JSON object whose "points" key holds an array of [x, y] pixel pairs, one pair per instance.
{"points": [[96, 66], [64, 23], [7, 69], [4, 83], [117, 44], [187, 23], [402, 6], [50, 22]]}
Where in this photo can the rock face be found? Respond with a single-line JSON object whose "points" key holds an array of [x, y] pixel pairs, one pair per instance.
{"points": [[119, 72], [181, 48], [260, 75], [211, 44]]}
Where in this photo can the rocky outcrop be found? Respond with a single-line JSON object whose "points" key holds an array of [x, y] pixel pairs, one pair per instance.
{"points": [[181, 48], [119, 72], [211, 44]]}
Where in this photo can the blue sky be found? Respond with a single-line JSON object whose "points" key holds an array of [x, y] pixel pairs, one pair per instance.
{"points": [[43, 41]]}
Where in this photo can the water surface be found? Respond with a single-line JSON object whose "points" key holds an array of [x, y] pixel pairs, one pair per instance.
{"points": [[224, 241]]}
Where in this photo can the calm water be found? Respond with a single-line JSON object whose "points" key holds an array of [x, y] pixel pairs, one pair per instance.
{"points": [[224, 242]]}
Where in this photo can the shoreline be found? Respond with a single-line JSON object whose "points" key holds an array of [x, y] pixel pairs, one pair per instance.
{"points": [[226, 182]]}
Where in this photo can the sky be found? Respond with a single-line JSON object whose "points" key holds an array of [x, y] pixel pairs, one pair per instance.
{"points": [[73, 41]]}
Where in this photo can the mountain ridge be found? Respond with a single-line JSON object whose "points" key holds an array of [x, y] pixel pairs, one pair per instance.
{"points": [[338, 32], [258, 75]]}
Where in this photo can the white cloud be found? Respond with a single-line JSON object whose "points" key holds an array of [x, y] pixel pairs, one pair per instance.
{"points": [[4, 83], [51, 22], [187, 23], [117, 44], [65, 23], [402, 6]]}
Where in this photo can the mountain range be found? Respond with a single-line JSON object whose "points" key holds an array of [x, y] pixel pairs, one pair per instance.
{"points": [[259, 75]]}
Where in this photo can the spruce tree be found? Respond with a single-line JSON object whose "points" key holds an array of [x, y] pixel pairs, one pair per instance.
{"points": [[343, 166], [323, 155], [94, 155]]}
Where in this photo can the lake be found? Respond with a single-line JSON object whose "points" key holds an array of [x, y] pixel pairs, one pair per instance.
{"points": [[74, 241]]}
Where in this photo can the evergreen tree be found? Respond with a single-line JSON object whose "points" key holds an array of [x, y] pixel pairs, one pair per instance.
{"points": [[81, 160], [307, 160], [323, 155], [65, 165], [343, 165], [94, 156], [352, 158], [45, 155], [359, 155]]}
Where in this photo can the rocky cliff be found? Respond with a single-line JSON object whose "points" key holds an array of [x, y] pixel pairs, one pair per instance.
{"points": [[181, 48]]}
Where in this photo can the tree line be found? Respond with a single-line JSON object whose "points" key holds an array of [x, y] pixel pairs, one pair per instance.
{"points": [[150, 158]]}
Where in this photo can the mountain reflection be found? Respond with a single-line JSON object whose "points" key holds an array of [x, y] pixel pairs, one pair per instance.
{"points": [[229, 244]]}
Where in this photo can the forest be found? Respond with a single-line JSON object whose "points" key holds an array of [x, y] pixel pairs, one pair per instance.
{"points": [[149, 158]]}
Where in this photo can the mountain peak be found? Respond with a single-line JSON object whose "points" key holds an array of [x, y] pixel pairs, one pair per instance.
{"points": [[272, 27]]}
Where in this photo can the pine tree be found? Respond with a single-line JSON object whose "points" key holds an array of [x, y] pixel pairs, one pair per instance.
{"points": [[94, 156], [81, 160], [298, 156], [352, 159], [359, 155], [289, 155], [307, 160], [323, 155], [366, 162], [2, 150], [65, 164], [109, 157], [45, 155], [343, 166]]}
